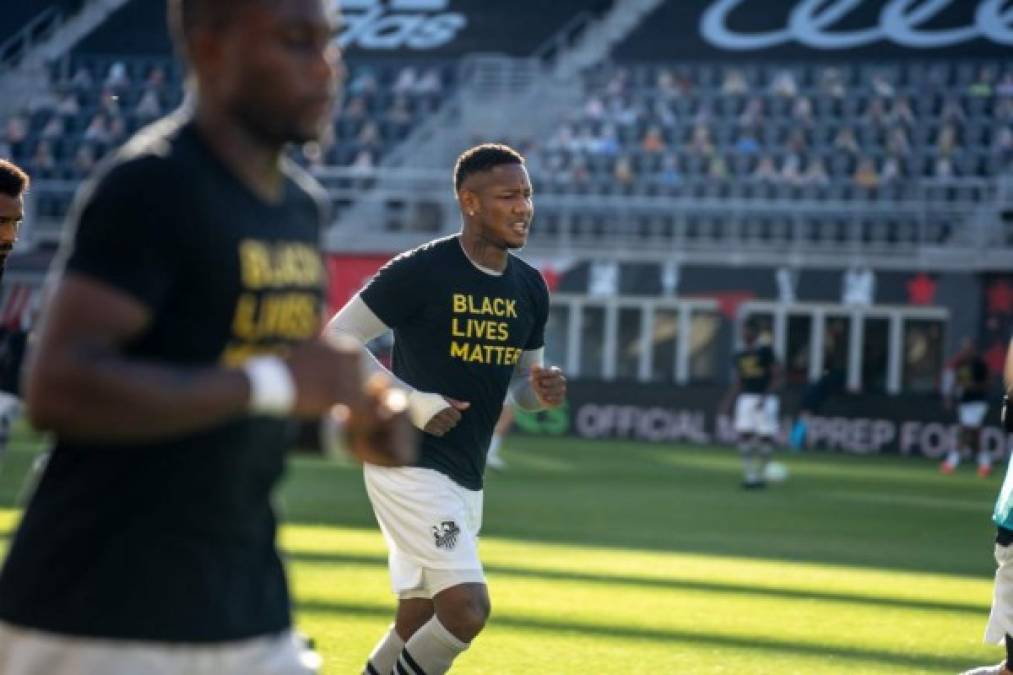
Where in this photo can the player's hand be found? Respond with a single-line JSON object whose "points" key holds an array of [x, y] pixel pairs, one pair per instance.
{"points": [[549, 385], [379, 430], [446, 419], [325, 373]]}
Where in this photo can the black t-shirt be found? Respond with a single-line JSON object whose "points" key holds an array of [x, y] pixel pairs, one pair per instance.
{"points": [[174, 540], [459, 332], [755, 368], [972, 378]]}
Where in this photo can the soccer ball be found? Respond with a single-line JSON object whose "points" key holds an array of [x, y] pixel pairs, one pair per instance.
{"points": [[775, 472]]}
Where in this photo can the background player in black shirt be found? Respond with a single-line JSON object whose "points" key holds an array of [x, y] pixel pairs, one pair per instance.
{"points": [[469, 322], [967, 380], [181, 339], [754, 390], [13, 185]]}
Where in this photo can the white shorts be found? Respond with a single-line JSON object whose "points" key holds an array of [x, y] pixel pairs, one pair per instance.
{"points": [[756, 414], [972, 413], [1000, 619], [431, 526], [31, 652]]}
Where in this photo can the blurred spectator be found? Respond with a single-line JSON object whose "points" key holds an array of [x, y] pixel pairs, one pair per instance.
{"points": [[943, 168], [68, 105], [109, 102], [117, 79], [606, 142], [669, 174], [1004, 110], [618, 83], [832, 82], [155, 81], [54, 128], [355, 109], [579, 174], [653, 141], [364, 161], [406, 81], [84, 159], [815, 173], [882, 86], [622, 172], [363, 83], [429, 83], [797, 141], [982, 85], [594, 109], [701, 143], [875, 112], [766, 171], [802, 111], [369, 135], [82, 79], [953, 112], [399, 112], [946, 143], [791, 169], [663, 112], [752, 115], [734, 83], [865, 174], [747, 144], [901, 112], [784, 84], [891, 172], [845, 140], [1005, 85], [148, 107], [97, 130], [16, 130], [666, 83], [43, 163], [717, 169], [897, 144]]}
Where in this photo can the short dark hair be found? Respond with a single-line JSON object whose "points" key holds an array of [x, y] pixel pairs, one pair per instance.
{"points": [[186, 15], [13, 181], [483, 158]]}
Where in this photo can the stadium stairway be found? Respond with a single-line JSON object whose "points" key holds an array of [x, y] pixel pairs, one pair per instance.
{"points": [[28, 77]]}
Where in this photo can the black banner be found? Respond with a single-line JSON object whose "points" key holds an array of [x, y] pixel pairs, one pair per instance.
{"points": [[824, 29], [857, 424]]}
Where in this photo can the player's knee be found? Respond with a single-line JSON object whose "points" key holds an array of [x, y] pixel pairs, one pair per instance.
{"points": [[467, 615]]}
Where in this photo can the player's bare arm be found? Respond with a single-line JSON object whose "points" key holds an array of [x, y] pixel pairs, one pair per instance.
{"points": [[81, 385]]}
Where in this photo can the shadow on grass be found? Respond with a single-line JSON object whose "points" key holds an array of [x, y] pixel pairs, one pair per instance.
{"points": [[673, 637], [975, 609]]}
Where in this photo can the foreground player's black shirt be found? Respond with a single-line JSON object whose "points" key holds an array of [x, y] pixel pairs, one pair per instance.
{"points": [[755, 368], [458, 332], [972, 378], [174, 541]]}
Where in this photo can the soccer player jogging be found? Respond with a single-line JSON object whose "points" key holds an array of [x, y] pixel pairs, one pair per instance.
{"points": [[968, 375], [754, 390], [468, 320], [181, 339], [999, 629]]}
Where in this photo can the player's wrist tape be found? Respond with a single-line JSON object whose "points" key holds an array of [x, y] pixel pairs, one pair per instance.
{"points": [[423, 406], [272, 391]]}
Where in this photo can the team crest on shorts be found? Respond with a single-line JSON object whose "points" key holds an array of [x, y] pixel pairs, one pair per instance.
{"points": [[445, 534]]}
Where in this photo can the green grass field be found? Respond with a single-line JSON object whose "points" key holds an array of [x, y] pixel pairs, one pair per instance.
{"points": [[624, 558]]}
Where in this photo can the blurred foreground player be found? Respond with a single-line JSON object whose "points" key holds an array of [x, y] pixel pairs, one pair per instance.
{"points": [[967, 380], [180, 341], [1000, 621], [754, 390], [469, 322]]}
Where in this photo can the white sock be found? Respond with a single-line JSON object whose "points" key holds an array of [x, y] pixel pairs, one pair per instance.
{"points": [[431, 651], [494, 444], [385, 653], [749, 468], [985, 458], [953, 458]]}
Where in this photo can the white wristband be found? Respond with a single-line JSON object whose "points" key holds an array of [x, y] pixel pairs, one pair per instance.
{"points": [[272, 391], [423, 406]]}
